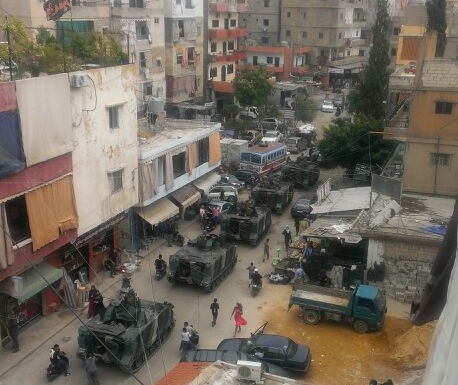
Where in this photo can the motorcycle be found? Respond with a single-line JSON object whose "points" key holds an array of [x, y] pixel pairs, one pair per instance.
{"points": [[161, 272], [255, 288], [53, 371], [125, 286], [338, 111]]}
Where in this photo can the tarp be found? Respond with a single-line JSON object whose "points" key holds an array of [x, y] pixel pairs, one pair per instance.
{"points": [[186, 196], [12, 158], [206, 182], [158, 212]]}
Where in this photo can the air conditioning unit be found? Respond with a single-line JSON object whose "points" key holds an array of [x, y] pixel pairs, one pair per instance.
{"points": [[78, 80], [249, 371]]}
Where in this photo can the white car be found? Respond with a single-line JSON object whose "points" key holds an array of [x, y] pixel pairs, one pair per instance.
{"points": [[224, 192], [249, 113], [271, 136], [327, 106]]}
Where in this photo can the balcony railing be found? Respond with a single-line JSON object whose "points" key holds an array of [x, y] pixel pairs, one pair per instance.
{"points": [[397, 122]]}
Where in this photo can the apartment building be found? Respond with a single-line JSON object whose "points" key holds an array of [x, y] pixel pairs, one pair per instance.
{"points": [[224, 34], [422, 113]]}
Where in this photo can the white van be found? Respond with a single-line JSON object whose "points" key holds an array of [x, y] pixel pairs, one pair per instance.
{"points": [[296, 144], [249, 113]]}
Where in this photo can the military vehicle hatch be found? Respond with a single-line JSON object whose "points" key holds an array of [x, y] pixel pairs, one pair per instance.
{"points": [[272, 193], [301, 172], [203, 262]]}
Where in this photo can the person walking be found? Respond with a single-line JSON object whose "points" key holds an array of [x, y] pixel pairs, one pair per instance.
{"points": [[287, 235], [92, 308], [91, 369], [202, 216], [13, 330], [237, 312], [266, 255], [250, 271], [297, 225], [185, 340], [214, 308]]}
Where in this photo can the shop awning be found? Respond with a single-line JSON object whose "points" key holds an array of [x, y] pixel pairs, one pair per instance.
{"points": [[206, 182], [31, 281], [186, 196], [158, 212]]}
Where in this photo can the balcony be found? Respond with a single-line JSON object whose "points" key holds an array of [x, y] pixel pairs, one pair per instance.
{"points": [[220, 6], [223, 87], [227, 33], [227, 56], [267, 68], [396, 126]]}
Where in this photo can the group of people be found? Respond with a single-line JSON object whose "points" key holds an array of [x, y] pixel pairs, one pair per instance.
{"points": [[189, 337], [254, 276], [208, 215], [95, 302]]}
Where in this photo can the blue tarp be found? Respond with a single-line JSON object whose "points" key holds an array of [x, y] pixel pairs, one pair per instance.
{"points": [[440, 230], [12, 159]]}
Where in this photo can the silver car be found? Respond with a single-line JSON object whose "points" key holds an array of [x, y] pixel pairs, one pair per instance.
{"points": [[327, 106]]}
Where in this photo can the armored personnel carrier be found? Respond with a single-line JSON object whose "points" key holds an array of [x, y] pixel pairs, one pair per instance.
{"points": [[128, 332], [203, 262], [272, 193], [300, 172], [247, 223]]}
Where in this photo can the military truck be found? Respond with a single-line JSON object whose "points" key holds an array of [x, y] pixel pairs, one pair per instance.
{"points": [[203, 262], [300, 172], [364, 307], [273, 194], [247, 223], [127, 333]]}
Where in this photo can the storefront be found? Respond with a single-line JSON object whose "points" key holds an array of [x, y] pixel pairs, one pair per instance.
{"points": [[28, 294], [185, 197]]}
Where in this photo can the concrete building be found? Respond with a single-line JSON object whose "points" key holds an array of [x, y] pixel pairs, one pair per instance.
{"points": [[184, 53], [421, 113], [224, 34]]}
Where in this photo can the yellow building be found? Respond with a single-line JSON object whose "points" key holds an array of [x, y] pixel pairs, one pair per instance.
{"points": [[423, 112]]}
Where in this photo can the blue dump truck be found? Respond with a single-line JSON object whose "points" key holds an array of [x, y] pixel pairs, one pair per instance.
{"points": [[364, 307]]}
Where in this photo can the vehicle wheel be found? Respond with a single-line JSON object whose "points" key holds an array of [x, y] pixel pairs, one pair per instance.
{"points": [[311, 317], [360, 326], [232, 199]]}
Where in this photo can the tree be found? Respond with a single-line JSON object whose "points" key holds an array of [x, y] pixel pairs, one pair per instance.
{"points": [[252, 87], [347, 144], [373, 89], [305, 107], [437, 21]]}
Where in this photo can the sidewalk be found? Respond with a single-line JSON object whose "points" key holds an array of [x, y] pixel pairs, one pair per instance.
{"points": [[38, 336]]}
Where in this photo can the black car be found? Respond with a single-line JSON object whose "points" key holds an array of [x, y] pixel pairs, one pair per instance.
{"points": [[230, 356], [249, 177], [301, 208], [278, 350]]}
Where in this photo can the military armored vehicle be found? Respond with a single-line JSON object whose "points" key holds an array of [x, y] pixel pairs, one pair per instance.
{"points": [[128, 332], [203, 262], [246, 223], [271, 192], [300, 172]]}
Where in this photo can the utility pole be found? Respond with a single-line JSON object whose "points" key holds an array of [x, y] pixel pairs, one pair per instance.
{"points": [[10, 51]]}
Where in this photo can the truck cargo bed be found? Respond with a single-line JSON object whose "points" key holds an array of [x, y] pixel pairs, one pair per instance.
{"points": [[321, 297]]}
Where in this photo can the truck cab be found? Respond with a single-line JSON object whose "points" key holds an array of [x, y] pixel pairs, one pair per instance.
{"points": [[369, 305]]}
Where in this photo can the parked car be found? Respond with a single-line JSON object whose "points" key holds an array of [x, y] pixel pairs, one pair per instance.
{"points": [[271, 136], [301, 208], [278, 350], [272, 123], [327, 106], [231, 356], [231, 180], [296, 144], [249, 177], [249, 113], [224, 193], [339, 101]]}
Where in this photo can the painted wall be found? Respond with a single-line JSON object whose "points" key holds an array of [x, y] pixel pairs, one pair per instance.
{"points": [[99, 149]]}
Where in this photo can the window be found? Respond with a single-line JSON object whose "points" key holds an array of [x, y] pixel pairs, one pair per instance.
{"points": [[396, 31], [179, 59], [394, 51], [136, 4], [288, 14], [304, 34], [288, 32], [266, 3], [265, 22], [159, 63], [443, 108], [320, 35], [149, 89], [233, 23], [156, 20], [264, 40], [274, 353], [142, 60], [361, 52], [213, 46], [178, 2], [179, 164], [181, 27], [202, 148], [213, 72], [215, 23], [115, 178], [304, 15], [270, 60], [113, 117], [230, 45], [188, 4], [230, 68], [441, 159], [367, 303], [340, 35], [18, 220]]}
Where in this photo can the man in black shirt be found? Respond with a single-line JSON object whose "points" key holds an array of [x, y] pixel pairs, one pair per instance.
{"points": [[214, 307]]}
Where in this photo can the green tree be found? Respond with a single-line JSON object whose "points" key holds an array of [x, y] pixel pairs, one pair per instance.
{"points": [[252, 88], [347, 144], [437, 21], [305, 107], [373, 89]]}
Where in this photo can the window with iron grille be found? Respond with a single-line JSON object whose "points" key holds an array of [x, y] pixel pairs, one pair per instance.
{"points": [[115, 178], [441, 159], [443, 108], [113, 117]]}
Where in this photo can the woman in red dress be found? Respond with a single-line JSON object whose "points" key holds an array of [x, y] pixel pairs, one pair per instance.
{"points": [[237, 312]]}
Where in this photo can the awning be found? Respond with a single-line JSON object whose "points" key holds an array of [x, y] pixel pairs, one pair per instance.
{"points": [[158, 212], [186, 196], [31, 281], [205, 183]]}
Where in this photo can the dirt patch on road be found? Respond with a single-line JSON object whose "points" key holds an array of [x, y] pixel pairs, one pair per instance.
{"points": [[343, 357]]}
